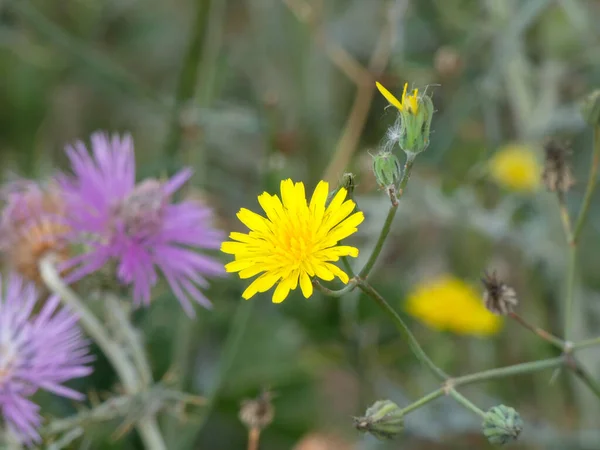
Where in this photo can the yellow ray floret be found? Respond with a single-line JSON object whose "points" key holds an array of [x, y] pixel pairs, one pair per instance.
{"points": [[294, 242], [410, 103]]}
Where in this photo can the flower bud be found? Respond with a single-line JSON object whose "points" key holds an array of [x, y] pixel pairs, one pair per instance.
{"points": [[387, 169], [348, 182], [501, 425], [257, 413], [499, 298], [416, 113], [590, 108], [384, 420]]}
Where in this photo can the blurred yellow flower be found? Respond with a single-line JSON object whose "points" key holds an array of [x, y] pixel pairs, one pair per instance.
{"points": [[449, 304], [515, 167]]}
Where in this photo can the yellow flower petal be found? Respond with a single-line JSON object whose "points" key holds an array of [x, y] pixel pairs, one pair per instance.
{"points": [[389, 96], [306, 285]]}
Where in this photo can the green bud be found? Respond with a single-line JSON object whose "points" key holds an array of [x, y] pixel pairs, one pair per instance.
{"points": [[348, 182], [590, 108], [387, 169], [384, 420], [501, 425], [416, 127]]}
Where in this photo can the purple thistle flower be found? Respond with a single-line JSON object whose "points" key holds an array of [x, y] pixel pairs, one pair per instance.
{"points": [[137, 225], [36, 352]]}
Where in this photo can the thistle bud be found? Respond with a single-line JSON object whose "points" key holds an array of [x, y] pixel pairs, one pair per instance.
{"points": [[590, 108], [387, 169], [501, 425], [384, 420], [499, 298]]}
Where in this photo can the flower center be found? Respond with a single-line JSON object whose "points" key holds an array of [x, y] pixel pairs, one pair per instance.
{"points": [[143, 210]]}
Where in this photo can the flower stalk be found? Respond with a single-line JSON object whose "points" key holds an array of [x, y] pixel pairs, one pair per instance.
{"points": [[147, 426]]}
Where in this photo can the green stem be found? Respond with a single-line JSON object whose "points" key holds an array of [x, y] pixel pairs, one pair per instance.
{"points": [[583, 375], [335, 293], [423, 401], [591, 185], [557, 342], [403, 328], [502, 372], [570, 294], [466, 403], [146, 426], [188, 77], [586, 343], [347, 266], [364, 273], [237, 330], [565, 217]]}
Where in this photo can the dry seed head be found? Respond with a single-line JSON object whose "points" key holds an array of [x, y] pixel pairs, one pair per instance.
{"points": [[498, 297], [257, 413], [557, 175]]}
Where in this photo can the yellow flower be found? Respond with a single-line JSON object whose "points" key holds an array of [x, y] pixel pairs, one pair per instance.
{"points": [[447, 303], [411, 103], [516, 167], [295, 241]]}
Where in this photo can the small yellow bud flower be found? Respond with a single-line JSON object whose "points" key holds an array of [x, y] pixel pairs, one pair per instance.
{"points": [[416, 112]]}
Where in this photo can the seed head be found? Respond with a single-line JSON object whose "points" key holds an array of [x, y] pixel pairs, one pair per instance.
{"points": [[557, 175], [257, 413], [498, 297]]}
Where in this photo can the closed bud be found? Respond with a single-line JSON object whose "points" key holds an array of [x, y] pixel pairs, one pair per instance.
{"points": [[387, 169], [384, 420], [499, 298], [501, 425], [590, 108], [348, 182]]}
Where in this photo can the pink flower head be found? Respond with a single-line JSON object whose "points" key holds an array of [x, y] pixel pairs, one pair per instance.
{"points": [[137, 226], [36, 352]]}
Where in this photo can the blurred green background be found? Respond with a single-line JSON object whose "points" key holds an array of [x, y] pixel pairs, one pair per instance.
{"points": [[251, 91]]}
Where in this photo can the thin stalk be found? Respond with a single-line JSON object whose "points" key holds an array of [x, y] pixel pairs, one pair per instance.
{"points": [[565, 217], [253, 438], [423, 401], [364, 273], [238, 327], [188, 77], [130, 335], [591, 186], [466, 403], [586, 343], [336, 293], [583, 375], [501, 372], [146, 426], [557, 342], [403, 328], [570, 294]]}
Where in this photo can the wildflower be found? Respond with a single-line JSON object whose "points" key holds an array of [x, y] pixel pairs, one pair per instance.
{"points": [[384, 420], [36, 352], [516, 168], [498, 297], [32, 223], [137, 226], [557, 175], [416, 113], [501, 425], [295, 241], [447, 303]]}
